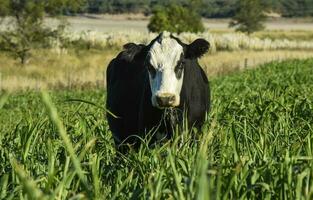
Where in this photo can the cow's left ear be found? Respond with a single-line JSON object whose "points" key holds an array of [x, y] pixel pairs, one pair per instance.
{"points": [[197, 48]]}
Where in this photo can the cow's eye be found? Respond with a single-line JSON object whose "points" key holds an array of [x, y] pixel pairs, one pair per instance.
{"points": [[151, 70], [179, 70], [179, 67]]}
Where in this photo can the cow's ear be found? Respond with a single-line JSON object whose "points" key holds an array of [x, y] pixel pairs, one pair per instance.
{"points": [[131, 45], [131, 50], [197, 48]]}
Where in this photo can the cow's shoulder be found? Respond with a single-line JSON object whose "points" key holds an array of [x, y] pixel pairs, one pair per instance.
{"points": [[194, 73]]}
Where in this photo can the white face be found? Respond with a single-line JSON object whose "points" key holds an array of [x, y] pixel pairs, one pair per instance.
{"points": [[165, 72]]}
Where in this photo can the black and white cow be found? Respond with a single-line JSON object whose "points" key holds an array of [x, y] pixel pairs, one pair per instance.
{"points": [[154, 86]]}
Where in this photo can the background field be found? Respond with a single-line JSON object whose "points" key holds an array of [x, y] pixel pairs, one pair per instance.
{"points": [[87, 69], [83, 64], [107, 23], [256, 144]]}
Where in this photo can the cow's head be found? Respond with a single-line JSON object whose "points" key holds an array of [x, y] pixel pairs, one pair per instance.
{"points": [[166, 61]]}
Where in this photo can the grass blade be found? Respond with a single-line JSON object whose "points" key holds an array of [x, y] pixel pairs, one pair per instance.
{"points": [[67, 142]]}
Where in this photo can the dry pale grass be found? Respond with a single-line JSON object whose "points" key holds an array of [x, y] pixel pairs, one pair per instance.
{"points": [[298, 35], [47, 69], [84, 69], [228, 41], [139, 23], [226, 62]]}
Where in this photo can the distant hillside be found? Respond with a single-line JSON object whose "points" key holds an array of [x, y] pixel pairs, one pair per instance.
{"points": [[207, 8]]}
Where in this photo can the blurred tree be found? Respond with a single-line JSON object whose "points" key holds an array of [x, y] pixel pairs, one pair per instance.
{"points": [[249, 16], [27, 30], [175, 18]]}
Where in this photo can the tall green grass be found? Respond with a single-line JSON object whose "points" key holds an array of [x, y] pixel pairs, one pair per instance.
{"points": [[256, 144]]}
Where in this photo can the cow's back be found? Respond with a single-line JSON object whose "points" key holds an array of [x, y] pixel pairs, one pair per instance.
{"points": [[124, 90]]}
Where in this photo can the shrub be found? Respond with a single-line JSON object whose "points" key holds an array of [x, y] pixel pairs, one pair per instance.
{"points": [[249, 16], [175, 19]]}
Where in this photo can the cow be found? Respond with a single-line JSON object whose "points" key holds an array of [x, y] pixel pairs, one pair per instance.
{"points": [[152, 88]]}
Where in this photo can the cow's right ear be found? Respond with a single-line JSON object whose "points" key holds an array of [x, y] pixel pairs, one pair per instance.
{"points": [[131, 50], [197, 48], [129, 46]]}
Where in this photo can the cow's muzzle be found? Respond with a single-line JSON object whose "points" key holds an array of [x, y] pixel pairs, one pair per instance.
{"points": [[166, 100]]}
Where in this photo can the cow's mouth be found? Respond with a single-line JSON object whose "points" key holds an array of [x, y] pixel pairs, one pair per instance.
{"points": [[163, 107]]}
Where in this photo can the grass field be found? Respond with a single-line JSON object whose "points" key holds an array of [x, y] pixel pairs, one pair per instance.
{"points": [[256, 144]]}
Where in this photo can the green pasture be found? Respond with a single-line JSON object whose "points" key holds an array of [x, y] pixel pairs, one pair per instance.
{"points": [[256, 144]]}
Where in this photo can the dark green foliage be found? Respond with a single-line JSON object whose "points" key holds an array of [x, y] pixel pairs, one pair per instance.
{"points": [[218, 8], [249, 16], [4, 4], [56, 7], [256, 144], [117, 6], [206, 8], [297, 8], [175, 19]]}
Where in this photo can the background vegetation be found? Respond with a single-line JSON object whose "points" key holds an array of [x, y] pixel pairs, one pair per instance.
{"points": [[206, 8]]}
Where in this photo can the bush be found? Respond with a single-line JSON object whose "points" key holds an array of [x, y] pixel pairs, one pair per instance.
{"points": [[175, 19], [249, 17], [28, 30]]}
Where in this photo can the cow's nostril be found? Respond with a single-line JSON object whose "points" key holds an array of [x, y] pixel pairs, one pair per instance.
{"points": [[160, 100], [172, 99], [165, 101]]}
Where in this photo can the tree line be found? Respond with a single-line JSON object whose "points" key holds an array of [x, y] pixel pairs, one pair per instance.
{"points": [[206, 8], [26, 29]]}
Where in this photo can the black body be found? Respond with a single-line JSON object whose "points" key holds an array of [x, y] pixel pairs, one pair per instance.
{"points": [[129, 95]]}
